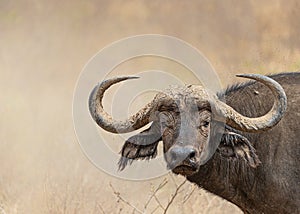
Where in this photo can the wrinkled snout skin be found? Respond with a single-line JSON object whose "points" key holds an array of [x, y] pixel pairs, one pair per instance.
{"points": [[185, 133]]}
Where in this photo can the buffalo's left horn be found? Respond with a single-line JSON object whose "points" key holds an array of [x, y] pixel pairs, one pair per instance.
{"points": [[105, 121], [265, 122]]}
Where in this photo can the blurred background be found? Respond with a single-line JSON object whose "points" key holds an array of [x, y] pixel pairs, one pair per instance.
{"points": [[44, 45]]}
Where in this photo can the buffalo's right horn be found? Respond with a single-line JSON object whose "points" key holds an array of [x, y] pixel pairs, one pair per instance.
{"points": [[105, 121]]}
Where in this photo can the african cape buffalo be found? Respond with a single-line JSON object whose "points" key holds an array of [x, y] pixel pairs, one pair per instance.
{"points": [[241, 144]]}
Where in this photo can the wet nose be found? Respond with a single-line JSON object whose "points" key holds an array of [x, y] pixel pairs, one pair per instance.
{"points": [[181, 154]]}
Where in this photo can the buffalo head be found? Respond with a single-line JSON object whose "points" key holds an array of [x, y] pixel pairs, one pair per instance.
{"points": [[190, 122]]}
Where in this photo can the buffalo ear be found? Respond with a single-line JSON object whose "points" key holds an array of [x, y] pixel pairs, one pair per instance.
{"points": [[140, 146], [236, 146]]}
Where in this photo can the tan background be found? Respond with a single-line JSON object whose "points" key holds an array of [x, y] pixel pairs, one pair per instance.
{"points": [[44, 46]]}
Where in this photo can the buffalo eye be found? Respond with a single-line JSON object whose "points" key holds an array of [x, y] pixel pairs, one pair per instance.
{"points": [[204, 126]]}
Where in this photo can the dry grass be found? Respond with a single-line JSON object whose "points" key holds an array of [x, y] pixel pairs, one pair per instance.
{"points": [[45, 44]]}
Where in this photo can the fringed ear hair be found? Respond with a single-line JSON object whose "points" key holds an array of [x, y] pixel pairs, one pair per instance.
{"points": [[234, 145], [142, 146]]}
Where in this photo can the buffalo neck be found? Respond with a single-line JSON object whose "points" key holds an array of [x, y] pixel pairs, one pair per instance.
{"points": [[232, 180]]}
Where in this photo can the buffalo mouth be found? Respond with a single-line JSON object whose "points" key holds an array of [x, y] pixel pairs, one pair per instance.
{"points": [[185, 170]]}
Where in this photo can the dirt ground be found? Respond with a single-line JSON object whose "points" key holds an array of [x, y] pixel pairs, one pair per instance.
{"points": [[44, 45]]}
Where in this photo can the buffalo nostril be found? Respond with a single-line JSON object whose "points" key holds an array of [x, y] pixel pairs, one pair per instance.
{"points": [[192, 154]]}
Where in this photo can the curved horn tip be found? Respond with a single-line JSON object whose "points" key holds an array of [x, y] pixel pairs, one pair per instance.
{"points": [[132, 77], [107, 83], [122, 78], [245, 75], [252, 76]]}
